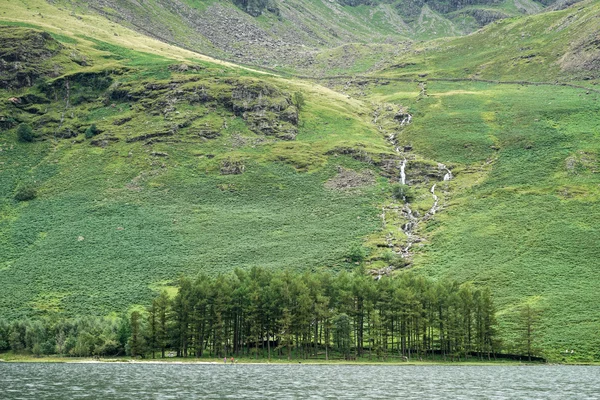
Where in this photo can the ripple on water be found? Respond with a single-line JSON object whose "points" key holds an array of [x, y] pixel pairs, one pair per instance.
{"points": [[217, 381]]}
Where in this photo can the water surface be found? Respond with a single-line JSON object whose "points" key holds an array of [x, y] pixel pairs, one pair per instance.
{"points": [[218, 381]]}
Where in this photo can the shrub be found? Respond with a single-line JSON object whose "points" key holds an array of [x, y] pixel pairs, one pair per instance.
{"points": [[25, 193], [25, 133], [91, 131], [403, 192], [298, 100], [357, 253]]}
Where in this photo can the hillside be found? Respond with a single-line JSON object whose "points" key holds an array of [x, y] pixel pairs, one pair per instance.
{"points": [[146, 164], [149, 161], [293, 34], [521, 213]]}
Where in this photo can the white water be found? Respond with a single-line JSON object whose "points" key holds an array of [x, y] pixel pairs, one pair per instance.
{"points": [[412, 220], [406, 120], [448, 175], [434, 208], [402, 172]]}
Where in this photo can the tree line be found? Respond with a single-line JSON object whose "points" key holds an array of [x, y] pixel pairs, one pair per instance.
{"points": [[283, 314]]}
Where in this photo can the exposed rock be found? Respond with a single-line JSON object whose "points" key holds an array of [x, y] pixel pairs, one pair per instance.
{"points": [[584, 56], [148, 136], [232, 167], [122, 121], [104, 141], [266, 109], [23, 56], [356, 153], [185, 67], [350, 179]]}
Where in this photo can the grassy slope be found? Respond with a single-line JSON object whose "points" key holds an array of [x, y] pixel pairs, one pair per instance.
{"points": [[112, 223], [530, 48], [522, 214], [307, 27]]}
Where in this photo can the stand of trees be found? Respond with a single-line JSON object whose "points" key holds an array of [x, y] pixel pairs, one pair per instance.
{"points": [[285, 315]]}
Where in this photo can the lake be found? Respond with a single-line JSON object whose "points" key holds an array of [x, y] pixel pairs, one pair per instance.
{"points": [[294, 381]]}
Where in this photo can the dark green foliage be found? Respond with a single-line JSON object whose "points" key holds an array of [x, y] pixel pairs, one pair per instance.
{"points": [[4, 335], [403, 192], [25, 192], [286, 314], [82, 337], [136, 343], [91, 131], [298, 100], [342, 334], [529, 321], [25, 133], [358, 253], [282, 315]]}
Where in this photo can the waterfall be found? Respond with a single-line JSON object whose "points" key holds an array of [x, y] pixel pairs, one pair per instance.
{"points": [[402, 173], [408, 229], [435, 201], [406, 120], [448, 175]]}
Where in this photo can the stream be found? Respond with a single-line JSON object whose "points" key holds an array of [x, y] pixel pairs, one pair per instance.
{"points": [[412, 218]]}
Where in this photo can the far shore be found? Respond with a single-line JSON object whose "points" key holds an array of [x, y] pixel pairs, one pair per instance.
{"points": [[16, 358]]}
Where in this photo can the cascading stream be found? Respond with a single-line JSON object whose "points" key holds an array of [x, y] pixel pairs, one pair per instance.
{"points": [[402, 172], [436, 200], [448, 175], [412, 218]]}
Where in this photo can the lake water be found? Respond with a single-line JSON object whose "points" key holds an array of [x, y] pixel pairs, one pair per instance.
{"points": [[217, 381]]}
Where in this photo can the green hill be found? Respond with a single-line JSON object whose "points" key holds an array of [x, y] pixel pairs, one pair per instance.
{"points": [[148, 161], [521, 213], [293, 34], [189, 166]]}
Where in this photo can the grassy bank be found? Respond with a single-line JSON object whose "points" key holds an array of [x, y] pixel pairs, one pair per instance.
{"points": [[12, 358]]}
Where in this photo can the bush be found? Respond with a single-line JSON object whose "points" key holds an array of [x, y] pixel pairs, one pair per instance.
{"points": [[357, 253], [298, 100], [403, 192], [393, 259], [91, 131], [25, 193], [25, 133]]}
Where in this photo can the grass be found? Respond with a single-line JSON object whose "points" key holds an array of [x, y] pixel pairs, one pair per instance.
{"points": [[533, 48], [112, 224], [521, 214]]}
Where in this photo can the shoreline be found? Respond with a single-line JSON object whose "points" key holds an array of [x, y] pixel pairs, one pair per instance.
{"points": [[87, 360]]}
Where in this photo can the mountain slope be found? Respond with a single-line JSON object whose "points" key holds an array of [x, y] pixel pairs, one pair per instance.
{"points": [[200, 165], [291, 34], [558, 45], [521, 213], [147, 164]]}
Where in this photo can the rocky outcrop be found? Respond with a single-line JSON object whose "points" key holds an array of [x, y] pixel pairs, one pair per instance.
{"points": [[257, 7], [266, 109], [584, 56], [191, 103], [24, 55], [349, 179]]}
